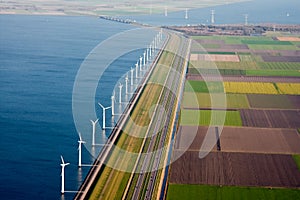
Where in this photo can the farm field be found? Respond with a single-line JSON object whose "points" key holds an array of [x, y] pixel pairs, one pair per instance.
{"points": [[250, 88], [232, 169], [209, 117], [204, 100], [207, 192], [273, 101], [206, 87], [270, 118], [260, 140]]}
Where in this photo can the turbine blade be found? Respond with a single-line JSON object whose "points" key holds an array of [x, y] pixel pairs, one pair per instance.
{"points": [[97, 120], [80, 138], [101, 105], [62, 160]]}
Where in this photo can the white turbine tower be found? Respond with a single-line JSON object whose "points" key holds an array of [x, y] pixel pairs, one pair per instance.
{"points": [[113, 104], [63, 165], [212, 16], [141, 62], [94, 131], [147, 54], [120, 94], [103, 114], [126, 84], [150, 51], [246, 19], [186, 14], [80, 142], [166, 11], [131, 77], [136, 69]]}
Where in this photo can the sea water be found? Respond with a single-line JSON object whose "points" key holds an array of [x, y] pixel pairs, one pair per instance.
{"points": [[40, 56]]}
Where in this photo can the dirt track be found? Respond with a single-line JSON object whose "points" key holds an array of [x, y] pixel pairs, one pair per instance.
{"points": [[269, 170]]}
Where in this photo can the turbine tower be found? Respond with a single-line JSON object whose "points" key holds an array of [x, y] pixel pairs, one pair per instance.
{"points": [[136, 69], [63, 165], [212, 16], [80, 142], [103, 114], [141, 62], [113, 105], [126, 84], [131, 77], [246, 19], [120, 94], [94, 131], [186, 14], [166, 11]]}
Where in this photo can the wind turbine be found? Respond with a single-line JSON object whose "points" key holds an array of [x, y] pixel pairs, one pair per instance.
{"points": [[186, 14], [147, 54], [63, 165], [120, 94], [126, 84], [103, 114], [212, 16], [131, 77], [166, 11], [80, 142], [136, 69], [141, 62], [94, 131], [113, 105]]}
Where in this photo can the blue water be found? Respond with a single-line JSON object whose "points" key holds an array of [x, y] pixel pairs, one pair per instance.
{"points": [[259, 11], [40, 56]]}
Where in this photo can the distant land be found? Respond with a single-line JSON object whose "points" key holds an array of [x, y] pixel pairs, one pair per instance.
{"points": [[93, 7]]}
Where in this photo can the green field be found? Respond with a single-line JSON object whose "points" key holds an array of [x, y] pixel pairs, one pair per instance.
{"points": [[297, 160], [272, 73], [204, 87], [205, 192], [224, 65], [203, 100], [279, 65], [204, 118], [272, 47]]}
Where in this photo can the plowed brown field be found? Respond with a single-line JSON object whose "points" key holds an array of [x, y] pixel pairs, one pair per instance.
{"points": [[243, 169]]}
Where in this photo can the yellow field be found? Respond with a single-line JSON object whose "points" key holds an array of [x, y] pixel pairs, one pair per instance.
{"points": [[289, 88], [249, 88]]}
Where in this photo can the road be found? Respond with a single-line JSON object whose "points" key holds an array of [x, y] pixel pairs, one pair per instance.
{"points": [[160, 124], [147, 173]]}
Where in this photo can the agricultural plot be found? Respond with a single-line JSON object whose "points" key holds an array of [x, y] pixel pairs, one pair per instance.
{"points": [[260, 140], [289, 88], [204, 100], [191, 138], [271, 118], [223, 65], [268, 58], [215, 57], [279, 65], [271, 101], [289, 39], [272, 47], [193, 192], [210, 117], [272, 73], [216, 72], [206, 87], [249, 88], [295, 100], [231, 169]]}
